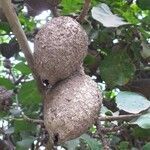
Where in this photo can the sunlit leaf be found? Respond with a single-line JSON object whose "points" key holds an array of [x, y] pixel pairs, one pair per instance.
{"points": [[29, 94], [143, 121], [9, 130], [23, 68], [103, 14], [146, 50], [70, 6], [132, 102]]}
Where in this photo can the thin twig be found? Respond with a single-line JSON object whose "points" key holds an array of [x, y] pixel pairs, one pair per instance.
{"points": [[112, 129], [38, 121], [21, 37], [84, 11], [121, 117]]}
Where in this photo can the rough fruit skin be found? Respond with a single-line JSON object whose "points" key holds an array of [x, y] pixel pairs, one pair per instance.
{"points": [[71, 107], [60, 47]]}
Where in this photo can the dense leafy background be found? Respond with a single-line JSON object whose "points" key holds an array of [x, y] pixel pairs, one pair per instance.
{"points": [[118, 59]]}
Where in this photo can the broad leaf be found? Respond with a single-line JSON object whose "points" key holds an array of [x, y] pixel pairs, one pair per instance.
{"points": [[93, 144], [9, 130], [143, 4], [25, 143], [29, 94], [143, 121], [22, 125], [146, 146], [72, 144], [23, 68], [103, 14], [116, 69], [6, 83], [132, 102], [146, 50], [5, 26], [70, 6]]}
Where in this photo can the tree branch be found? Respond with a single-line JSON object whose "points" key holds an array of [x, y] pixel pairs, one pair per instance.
{"points": [[102, 136], [38, 121], [121, 117], [12, 18], [112, 129], [84, 11], [54, 11], [19, 80]]}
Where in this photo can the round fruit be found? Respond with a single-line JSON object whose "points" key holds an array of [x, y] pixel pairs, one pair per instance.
{"points": [[60, 47], [71, 107]]}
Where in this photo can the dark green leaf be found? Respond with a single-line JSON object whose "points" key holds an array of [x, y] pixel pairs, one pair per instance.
{"points": [[23, 68], [89, 59], [140, 132], [143, 4], [132, 102], [117, 69], [124, 145], [5, 27], [22, 125], [6, 83], [3, 114]]}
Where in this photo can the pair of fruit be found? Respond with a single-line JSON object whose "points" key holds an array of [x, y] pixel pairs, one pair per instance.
{"points": [[72, 105]]}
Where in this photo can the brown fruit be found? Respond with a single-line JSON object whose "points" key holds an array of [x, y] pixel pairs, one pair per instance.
{"points": [[71, 107], [60, 47]]}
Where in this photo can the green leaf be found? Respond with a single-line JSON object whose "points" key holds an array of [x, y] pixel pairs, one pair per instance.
{"points": [[124, 145], [5, 26], [9, 130], [72, 144], [71, 6], [116, 69], [143, 4], [3, 114], [28, 23], [6, 83], [22, 125], [139, 132], [146, 50], [143, 121], [103, 14], [132, 102], [89, 59], [23, 68], [146, 146], [29, 94], [25, 143], [94, 144]]}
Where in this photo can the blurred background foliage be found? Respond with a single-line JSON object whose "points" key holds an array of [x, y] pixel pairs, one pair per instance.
{"points": [[118, 60]]}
